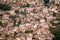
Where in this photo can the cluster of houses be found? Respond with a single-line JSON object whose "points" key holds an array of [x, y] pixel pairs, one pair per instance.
{"points": [[27, 20]]}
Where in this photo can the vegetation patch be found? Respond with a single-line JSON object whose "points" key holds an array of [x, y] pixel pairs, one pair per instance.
{"points": [[58, 18], [56, 33], [5, 7], [28, 31], [25, 5]]}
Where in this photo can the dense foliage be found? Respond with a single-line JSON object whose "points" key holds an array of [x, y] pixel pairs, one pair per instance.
{"points": [[46, 2], [56, 33], [5, 7]]}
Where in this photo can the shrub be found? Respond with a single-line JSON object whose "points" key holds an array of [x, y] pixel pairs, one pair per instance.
{"points": [[56, 33], [7, 36], [13, 17], [24, 12], [54, 14], [5, 7], [18, 23], [26, 5], [1, 23], [28, 31], [46, 2], [15, 33], [1, 16], [37, 19], [52, 22], [58, 18], [16, 11]]}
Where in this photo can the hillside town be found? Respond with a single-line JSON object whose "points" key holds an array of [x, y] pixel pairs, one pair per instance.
{"points": [[29, 19]]}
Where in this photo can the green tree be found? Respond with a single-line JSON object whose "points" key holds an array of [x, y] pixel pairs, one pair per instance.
{"points": [[5, 7], [46, 2], [17, 23], [54, 14], [15, 33], [56, 33], [58, 18], [24, 12], [16, 11]]}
